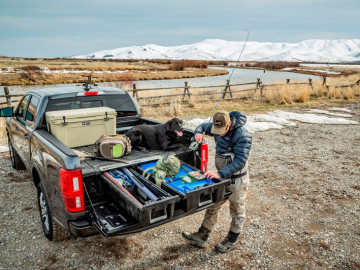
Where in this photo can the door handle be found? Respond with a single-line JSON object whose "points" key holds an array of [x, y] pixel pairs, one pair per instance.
{"points": [[26, 136]]}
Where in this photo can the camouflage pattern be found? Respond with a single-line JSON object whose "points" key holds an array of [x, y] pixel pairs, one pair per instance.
{"points": [[168, 165]]}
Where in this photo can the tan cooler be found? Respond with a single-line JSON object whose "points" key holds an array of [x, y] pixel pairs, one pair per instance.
{"points": [[81, 127]]}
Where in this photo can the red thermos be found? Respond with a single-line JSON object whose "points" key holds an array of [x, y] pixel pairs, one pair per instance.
{"points": [[204, 156]]}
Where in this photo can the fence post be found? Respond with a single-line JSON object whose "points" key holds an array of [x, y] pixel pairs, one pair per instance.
{"points": [[227, 89], [7, 94], [135, 92], [262, 90], [325, 83], [258, 84], [186, 91], [310, 83]]}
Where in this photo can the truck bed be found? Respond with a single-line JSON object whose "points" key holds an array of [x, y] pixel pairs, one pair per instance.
{"points": [[91, 165]]}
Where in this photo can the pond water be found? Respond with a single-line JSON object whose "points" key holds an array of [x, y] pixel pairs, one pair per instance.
{"points": [[238, 76]]}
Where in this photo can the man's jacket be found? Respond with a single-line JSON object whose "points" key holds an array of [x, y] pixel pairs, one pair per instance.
{"points": [[240, 142]]}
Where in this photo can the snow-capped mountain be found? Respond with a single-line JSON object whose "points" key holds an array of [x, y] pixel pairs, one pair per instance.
{"points": [[314, 50]]}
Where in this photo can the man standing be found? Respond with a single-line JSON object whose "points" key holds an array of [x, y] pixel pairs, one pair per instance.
{"points": [[233, 143]]}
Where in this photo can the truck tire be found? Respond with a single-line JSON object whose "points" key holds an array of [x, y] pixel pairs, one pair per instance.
{"points": [[52, 230], [16, 162]]}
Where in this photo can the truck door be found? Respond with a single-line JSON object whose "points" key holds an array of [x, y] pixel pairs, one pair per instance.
{"points": [[23, 126]]}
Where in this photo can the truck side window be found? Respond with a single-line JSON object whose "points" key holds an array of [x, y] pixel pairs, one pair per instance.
{"points": [[20, 111], [31, 111]]}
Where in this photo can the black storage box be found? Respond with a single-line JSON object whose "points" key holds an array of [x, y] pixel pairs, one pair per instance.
{"points": [[151, 211], [200, 197]]}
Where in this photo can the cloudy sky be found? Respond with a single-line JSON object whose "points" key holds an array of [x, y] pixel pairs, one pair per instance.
{"points": [[48, 28]]}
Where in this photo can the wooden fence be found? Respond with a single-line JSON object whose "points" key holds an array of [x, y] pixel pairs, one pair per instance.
{"points": [[226, 91], [9, 96]]}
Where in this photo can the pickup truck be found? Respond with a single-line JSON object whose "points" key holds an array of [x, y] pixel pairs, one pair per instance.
{"points": [[93, 208]]}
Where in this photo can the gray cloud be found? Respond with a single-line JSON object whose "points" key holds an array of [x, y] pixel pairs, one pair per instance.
{"points": [[63, 28]]}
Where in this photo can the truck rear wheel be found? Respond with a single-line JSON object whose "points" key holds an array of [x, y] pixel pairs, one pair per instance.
{"points": [[16, 162], [51, 229]]}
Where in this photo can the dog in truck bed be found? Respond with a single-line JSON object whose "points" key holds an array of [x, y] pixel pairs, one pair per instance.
{"points": [[157, 137]]}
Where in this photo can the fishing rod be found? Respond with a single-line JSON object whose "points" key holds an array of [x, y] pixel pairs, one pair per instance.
{"points": [[204, 146], [238, 59]]}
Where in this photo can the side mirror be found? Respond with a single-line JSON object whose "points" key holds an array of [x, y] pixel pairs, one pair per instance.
{"points": [[6, 112], [29, 116]]}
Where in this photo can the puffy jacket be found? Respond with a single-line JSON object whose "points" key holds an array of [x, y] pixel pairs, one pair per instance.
{"points": [[240, 142]]}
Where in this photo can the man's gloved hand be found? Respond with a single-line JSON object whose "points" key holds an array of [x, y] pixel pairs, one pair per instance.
{"points": [[199, 138], [212, 174]]}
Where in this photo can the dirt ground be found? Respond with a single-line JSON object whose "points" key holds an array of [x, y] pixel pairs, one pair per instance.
{"points": [[302, 213]]}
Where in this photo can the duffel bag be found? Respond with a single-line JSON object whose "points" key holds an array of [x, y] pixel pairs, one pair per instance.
{"points": [[112, 146]]}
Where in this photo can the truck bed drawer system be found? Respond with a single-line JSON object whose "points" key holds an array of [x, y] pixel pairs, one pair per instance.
{"points": [[127, 213]]}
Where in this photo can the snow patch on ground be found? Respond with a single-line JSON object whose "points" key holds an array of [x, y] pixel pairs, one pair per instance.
{"points": [[278, 119], [271, 118], [326, 65], [192, 124], [312, 118], [312, 70], [330, 113], [340, 109], [261, 126]]}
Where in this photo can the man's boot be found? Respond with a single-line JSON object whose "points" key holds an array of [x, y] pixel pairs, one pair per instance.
{"points": [[199, 238], [229, 243]]}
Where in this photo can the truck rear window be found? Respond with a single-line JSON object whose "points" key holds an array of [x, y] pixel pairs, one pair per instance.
{"points": [[121, 103]]}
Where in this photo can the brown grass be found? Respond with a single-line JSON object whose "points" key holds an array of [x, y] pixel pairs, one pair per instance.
{"points": [[29, 71], [280, 97], [303, 95], [272, 97], [273, 65]]}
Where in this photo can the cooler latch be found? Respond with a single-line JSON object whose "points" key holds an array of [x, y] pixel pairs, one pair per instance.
{"points": [[64, 119]]}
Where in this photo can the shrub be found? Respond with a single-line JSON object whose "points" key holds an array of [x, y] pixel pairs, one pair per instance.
{"points": [[30, 72], [177, 67], [273, 65], [303, 95]]}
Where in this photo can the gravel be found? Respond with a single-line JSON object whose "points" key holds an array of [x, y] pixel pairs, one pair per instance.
{"points": [[302, 213]]}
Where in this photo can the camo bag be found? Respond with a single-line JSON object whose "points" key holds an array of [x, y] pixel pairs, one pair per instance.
{"points": [[168, 165], [112, 146]]}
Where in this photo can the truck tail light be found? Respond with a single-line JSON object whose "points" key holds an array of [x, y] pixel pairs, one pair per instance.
{"points": [[204, 156], [72, 190], [91, 93]]}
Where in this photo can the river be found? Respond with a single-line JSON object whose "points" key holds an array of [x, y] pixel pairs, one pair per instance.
{"points": [[238, 76]]}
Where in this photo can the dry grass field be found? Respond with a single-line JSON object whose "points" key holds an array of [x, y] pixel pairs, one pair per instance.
{"points": [[35, 71], [272, 97]]}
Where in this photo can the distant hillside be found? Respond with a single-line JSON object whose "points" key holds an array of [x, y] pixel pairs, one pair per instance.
{"points": [[313, 50]]}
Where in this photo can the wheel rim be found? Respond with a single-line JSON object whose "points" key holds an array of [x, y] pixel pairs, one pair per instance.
{"points": [[44, 211]]}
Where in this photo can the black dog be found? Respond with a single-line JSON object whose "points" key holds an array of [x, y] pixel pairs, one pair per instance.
{"points": [[157, 137], [135, 137]]}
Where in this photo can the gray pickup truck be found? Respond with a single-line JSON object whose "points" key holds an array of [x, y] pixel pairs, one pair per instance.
{"points": [[53, 166]]}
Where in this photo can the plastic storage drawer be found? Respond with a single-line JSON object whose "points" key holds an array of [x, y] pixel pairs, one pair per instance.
{"points": [[151, 211], [197, 195]]}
